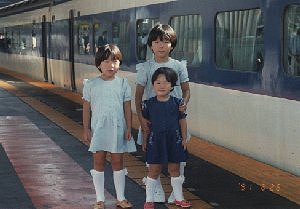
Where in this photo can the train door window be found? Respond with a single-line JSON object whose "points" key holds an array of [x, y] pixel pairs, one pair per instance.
{"points": [[14, 41], [239, 40], [121, 37], [143, 27], [189, 38], [101, 34], [292, 40], [2, 41], [84, 42]]}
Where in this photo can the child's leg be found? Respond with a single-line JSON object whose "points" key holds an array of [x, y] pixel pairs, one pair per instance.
{"points": [[119, 179], [159, 194], [176, 180], [98, 175], [171, 198], [119, 174], [151, 182]]}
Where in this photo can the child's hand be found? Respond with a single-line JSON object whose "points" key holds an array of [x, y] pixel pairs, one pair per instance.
{"points": [[145, 126], [128, 134], [87, 135], [184, 143], [182, 107]]}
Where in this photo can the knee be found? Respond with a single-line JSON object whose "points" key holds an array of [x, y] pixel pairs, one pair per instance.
{"points": [[154, 173]]}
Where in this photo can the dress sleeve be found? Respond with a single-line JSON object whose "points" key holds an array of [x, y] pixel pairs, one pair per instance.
{"points": [[141, 77], [86, 92], [145, 110], [183, 73], [127, 90], [181, 115]]}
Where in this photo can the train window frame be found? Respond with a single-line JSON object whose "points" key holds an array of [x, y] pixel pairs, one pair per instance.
{"points": [[228, 57], [143, 52], [184, 45], [291, 38]]}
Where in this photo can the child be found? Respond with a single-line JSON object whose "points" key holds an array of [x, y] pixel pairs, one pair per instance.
{"points": [[162, 40], [166, 142], [107, 122]]}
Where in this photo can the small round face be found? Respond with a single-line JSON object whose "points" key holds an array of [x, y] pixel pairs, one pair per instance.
{"points": [[161, 86], [109, 68], [161, 49]]}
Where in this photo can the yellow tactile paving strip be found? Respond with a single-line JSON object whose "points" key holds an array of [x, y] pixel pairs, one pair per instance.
{"points": [[270, 178]]}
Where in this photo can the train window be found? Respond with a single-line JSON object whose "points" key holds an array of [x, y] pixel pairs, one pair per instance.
{"points": [[239, 40], [189, 38], [14, 42], [143, 27], [292, 40], [101, 34], [121, 37], [84, 38]]}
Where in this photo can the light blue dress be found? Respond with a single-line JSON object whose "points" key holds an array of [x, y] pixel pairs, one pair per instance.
{"points": [[108, 124]]}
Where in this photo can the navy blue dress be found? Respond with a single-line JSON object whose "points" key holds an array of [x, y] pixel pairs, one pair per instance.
{"points": [[164, 142]]}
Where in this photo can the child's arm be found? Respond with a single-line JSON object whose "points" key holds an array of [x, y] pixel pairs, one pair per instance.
{"points": [[128, 118], [86, 120], [183, 127], [139, 92], [185, 88]]}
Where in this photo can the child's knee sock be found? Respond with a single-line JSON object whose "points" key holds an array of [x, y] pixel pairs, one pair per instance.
{"points": [[176, 183], [119, 181], [150, 188], [171, 198], [181, 168], [159, 193], [98, 180]]}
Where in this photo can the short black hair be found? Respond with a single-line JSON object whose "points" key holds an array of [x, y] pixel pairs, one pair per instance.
{"points": [[171, 75], [105, 51], [163, 32]]}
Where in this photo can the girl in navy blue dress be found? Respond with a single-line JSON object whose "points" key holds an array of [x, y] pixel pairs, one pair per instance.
{"points": [[166, 142]]}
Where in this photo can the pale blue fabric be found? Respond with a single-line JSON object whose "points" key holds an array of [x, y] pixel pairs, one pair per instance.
{"points": [[108, 124]]}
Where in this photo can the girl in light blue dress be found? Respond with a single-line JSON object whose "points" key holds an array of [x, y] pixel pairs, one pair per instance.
{"points": [[107, 122]]}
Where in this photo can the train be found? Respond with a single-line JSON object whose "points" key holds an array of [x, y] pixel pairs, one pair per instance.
{"points": [[243, 60]]}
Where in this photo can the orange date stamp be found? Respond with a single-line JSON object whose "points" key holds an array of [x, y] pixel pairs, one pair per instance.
{"points": [[244, 186]]}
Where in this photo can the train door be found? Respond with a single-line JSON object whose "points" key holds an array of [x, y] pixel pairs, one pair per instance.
{"points": [[71, 52], [45, 39]]}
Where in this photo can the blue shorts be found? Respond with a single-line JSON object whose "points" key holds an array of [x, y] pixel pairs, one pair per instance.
{"points": [[165, 148]]}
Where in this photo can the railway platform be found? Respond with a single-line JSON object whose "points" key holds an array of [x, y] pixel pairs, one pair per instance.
{"points": [[45, 164]]}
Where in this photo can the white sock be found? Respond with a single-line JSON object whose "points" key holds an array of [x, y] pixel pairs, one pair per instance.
{"points": [[119, 181], [98, 180], [159, 193], [158, 187], [176, 183], [150, 188], [171, 198], [181, 168]]}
